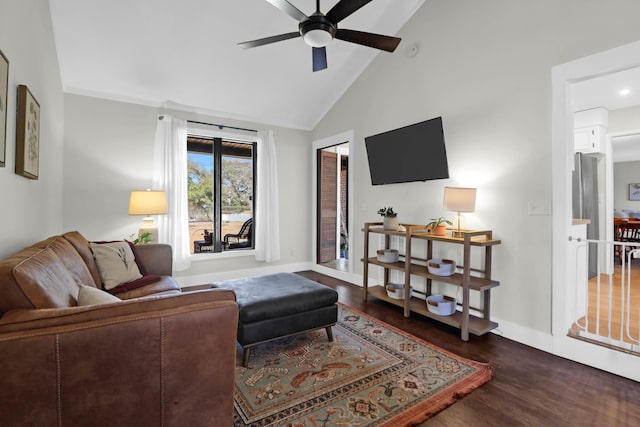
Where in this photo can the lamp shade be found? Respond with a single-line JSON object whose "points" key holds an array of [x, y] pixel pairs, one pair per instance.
{"points": [[147, 202], [460, 199]]}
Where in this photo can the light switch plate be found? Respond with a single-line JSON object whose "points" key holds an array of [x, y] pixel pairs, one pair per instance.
{"points": [[540, 207]]}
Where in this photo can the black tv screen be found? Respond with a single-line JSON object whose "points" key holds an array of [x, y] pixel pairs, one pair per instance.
{"points": [[412, 153]]}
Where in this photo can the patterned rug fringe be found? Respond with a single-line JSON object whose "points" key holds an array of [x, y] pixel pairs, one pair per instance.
{"points": [[420, 415]]}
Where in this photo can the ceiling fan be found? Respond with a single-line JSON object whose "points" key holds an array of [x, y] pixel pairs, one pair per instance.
{"points": [[318, 30]]}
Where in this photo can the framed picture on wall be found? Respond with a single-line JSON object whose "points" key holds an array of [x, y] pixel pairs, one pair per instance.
{"points": [[4, 87], [27, 134], [634, 191]]}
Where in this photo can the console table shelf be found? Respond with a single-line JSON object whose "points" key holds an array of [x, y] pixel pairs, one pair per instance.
{"points": [[475, 283], [477, 325], [470, 279]]}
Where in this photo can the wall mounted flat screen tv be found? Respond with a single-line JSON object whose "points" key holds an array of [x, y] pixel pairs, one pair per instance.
{"points": [[412, 153]]}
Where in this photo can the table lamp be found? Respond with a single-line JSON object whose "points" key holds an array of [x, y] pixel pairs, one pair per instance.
{"points": [[459, 199], [148, 203]]}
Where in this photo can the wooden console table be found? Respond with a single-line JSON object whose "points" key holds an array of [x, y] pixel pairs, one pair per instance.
{"points": [[470, 279]]}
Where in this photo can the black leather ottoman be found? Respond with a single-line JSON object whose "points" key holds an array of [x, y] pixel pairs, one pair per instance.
{"points": [[280, 305]]}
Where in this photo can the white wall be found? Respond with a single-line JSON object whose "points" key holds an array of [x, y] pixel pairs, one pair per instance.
{"points": [[31, 210], [485, 67], [625, 173], [109, 150], [624, 119]]}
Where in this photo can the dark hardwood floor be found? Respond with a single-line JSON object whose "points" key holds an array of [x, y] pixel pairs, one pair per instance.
{"points": [[529, 388]]}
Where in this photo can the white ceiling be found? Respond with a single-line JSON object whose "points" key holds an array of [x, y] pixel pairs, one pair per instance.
{"points": [[604, 91], [184, 54]]}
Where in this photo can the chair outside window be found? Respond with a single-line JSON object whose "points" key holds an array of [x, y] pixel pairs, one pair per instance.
{"points": [[241, 239]]}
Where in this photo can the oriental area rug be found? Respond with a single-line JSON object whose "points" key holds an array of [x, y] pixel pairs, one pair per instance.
{"points": [[372, 374]]}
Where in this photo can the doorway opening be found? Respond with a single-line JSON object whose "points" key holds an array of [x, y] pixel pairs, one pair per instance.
{"points": [[566, 296], [332, 243], [605, 303]]}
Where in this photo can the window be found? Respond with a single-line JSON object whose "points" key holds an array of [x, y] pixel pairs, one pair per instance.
{"points": [[220, 188]]}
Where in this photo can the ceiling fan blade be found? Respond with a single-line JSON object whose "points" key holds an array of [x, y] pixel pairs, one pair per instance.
{"points": [[319, 58], [268, 40], [376, 41], [289, 9], [344, 8]]}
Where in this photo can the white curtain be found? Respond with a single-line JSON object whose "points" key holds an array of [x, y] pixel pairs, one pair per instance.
{"points": [[267, 239], [170, 175]]}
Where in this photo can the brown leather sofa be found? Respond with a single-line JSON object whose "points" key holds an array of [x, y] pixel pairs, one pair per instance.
{"points": [[160, 357]]}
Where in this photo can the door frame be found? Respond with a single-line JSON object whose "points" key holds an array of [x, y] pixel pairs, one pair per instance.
{"points": [[341, 138], [563, 76]]}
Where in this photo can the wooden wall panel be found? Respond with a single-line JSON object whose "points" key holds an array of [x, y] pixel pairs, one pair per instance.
{"points": [[327, 206]]}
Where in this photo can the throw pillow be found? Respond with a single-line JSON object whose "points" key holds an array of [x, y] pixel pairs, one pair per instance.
{"points": [[116, 263], [141, 267], [88, 295]]}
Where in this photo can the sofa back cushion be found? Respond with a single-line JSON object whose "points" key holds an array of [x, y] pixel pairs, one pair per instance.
{"points": [[45, 281], [83, 247], [72, 261], [11, 296], [25, 277]]}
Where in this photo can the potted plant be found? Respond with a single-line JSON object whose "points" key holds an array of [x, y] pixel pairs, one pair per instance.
{"points": [[344, 246], [438, 226], [390, 220], [142, 239]]}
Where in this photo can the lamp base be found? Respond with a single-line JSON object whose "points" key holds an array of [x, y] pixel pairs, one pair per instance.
{"points": [[149, 230], [457, 226]]}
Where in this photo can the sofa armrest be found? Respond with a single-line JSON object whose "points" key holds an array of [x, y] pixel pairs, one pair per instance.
{"points": [[157, 258], [166, 360]]}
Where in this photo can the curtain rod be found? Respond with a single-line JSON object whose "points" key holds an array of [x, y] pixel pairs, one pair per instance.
{"points": [[161, 116], [221, 126]]}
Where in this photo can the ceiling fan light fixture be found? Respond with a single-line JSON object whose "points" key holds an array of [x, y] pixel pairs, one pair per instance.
{"points": [[317, 38]]}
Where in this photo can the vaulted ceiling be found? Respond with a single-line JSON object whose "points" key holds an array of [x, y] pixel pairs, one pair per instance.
{"points": [[184, 54]]}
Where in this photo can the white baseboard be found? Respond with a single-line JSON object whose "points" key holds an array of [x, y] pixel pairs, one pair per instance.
{"points": [[600, 357], [527, 336], [561, 345]]}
